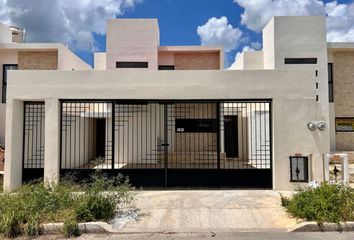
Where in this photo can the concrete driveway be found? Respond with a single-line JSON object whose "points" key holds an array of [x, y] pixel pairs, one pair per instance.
{"points": [[211, 210]]}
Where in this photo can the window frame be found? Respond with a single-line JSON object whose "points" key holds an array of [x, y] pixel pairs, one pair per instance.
{"points": [[337, 130], [127, 64], [4, 80], [305, 169], [300, 60], [166, 67], [330, 83]]}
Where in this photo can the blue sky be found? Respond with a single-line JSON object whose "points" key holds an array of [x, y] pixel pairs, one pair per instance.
{"points": [[179, 20], [178, 24], [234, 24]]}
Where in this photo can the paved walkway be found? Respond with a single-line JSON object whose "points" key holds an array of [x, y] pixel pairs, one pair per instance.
{"points": [[212, 210]]}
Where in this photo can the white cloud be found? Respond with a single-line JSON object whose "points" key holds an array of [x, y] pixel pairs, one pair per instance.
{"points": [[218, 31], [72, 22], [256, 45], [340, 22], [257, 13], [340, 17], [244, 49]]}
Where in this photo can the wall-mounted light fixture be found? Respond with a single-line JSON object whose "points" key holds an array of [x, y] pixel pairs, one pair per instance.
{"points": [[311, 126], [321, 126]]}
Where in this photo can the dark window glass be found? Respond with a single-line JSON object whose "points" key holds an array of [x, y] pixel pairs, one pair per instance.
{"points": [[166, 67], [196, 125], [5, 68], [299, 169], [345, 124], [132, 64], [330, 82], [300, 61]]}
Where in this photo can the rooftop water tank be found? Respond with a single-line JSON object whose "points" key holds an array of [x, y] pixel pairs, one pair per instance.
{"points": [[18, 34]]}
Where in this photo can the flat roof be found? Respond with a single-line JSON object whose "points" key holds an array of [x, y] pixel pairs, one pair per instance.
{"points": [[190, 48], [31, 46], [341, 46]]}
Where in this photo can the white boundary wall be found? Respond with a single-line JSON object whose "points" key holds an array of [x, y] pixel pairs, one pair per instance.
{"points": [[292, 92]]}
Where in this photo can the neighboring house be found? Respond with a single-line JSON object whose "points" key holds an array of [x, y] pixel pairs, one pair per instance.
{"points": [[17, 55], [196, 126]]}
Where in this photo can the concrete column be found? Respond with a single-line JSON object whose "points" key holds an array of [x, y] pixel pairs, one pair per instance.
{"points": [[326, 167], [52, 141], [345, 169], [13, 145]]}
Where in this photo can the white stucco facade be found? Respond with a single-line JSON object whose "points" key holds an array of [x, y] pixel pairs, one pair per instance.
{"points": [[290, 72]]}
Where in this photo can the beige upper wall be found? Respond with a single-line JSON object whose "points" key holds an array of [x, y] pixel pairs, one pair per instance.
{"points": [[137, 40], [132, 40]]}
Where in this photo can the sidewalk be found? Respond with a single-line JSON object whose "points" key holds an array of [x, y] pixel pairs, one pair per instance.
{"points": [[210, 210]]}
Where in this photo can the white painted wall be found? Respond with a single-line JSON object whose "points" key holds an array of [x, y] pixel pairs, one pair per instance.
{"points": [[305, 37], [67, 60], [5, 34], [100, 61], [6, 57], [249, 60], [268, 34]]}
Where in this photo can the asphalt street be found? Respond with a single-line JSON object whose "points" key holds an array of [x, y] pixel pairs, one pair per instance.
{"points": [[215, 236]]}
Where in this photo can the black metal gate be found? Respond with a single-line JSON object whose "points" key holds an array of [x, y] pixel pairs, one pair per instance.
{"points": [[33, 141], [170, 143]]}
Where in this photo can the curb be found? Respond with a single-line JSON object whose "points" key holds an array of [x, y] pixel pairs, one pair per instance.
{"points": [[326, 227], [103, 227], [89, 227]]}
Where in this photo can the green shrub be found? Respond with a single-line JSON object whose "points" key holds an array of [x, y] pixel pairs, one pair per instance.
{"points": [[23, 211], [285, 201], [71, 228], [102, 197], [32, 228], [327, 203], [1, 182], [95, 207], [9, 225]]}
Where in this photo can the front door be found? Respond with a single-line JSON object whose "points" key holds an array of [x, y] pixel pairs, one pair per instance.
{"points": [[100, 137], [231, 136]]}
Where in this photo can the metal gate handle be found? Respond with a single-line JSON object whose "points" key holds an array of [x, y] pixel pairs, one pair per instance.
{"points": [[165, 145]]}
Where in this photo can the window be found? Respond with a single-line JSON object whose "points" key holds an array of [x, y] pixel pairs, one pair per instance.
{"points": [[330, 82], [299, 169], [345, 124], [166, 67], [6, 67], [196, 125], [300, 61], [132, 64]]}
